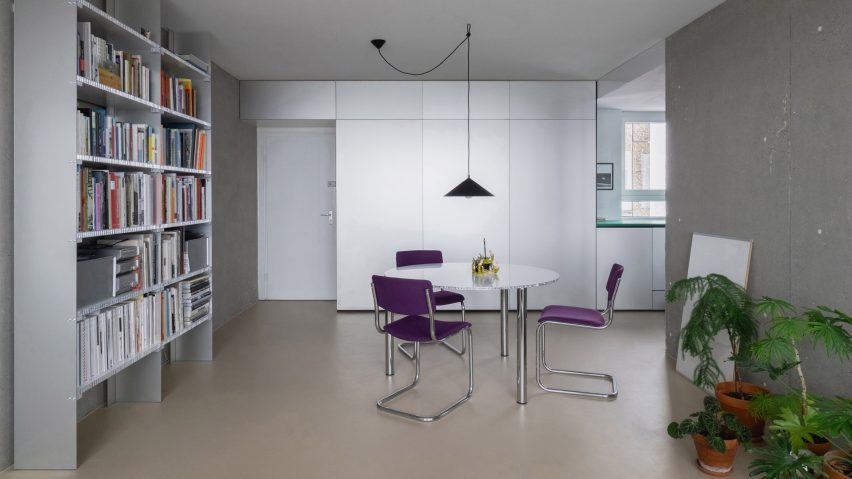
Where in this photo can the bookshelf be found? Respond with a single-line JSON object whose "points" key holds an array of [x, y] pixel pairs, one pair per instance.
{"points": [[49, 89]]}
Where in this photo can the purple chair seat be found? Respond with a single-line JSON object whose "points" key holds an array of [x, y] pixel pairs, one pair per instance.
{"points": [[443, 298], [572, 315], [416, 328]]}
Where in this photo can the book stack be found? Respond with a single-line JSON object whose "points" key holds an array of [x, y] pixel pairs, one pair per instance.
{"points": [[115, 199], [177, 94], [117, 334], [119, 199], [171, 264], [195, 296], [98, 60], [98, 134], [186, 146], [171, 312]]}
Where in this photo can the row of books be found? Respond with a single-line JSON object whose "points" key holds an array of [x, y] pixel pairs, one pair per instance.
{"points": [[178, 94], [196, 294], [100, 61], [99, 134], [126, 330], [118, 199], [117, 334]]}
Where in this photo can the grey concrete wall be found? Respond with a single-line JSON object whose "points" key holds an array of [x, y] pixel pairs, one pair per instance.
{"points": [[759, 115], [234, 202], [6, 166]]}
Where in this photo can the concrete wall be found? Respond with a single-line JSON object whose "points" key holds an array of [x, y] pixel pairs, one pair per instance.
{"points": [[759, 115], [234, 202], [5, 234]]}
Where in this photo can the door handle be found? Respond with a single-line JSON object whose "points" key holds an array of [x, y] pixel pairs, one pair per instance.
{"points": [[330, 216]]}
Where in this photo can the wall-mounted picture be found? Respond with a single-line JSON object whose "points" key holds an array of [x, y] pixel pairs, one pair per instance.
{"points": [[604, 176]]}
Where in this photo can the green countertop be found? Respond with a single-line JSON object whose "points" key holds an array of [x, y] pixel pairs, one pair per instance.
{"points": [[633, 223]]}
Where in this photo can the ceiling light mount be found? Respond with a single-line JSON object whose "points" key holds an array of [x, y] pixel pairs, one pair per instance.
{"points": [[467, 188]]}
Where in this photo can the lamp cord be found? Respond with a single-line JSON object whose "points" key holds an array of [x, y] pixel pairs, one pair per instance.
{"points": [[466, 38]]}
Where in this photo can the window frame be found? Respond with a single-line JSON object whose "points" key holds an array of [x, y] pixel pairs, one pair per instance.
{"points": [[640, 195]]}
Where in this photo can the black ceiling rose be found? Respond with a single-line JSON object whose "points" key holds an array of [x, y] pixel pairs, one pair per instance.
{"points": [[467, 188]]}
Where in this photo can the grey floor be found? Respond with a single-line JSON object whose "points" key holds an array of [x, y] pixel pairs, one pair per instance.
{"points": [[292, 391]]}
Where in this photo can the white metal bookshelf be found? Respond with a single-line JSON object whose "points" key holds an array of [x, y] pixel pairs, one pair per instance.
{"points": [[48, 91]]}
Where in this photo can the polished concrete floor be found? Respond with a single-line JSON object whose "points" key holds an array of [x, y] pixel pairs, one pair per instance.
{"points": [[292, 391]]}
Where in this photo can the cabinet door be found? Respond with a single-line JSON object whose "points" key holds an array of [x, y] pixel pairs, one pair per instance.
{"points": [[552, 100], [659, 260], [552, 206], [379, 100], [379, 201], [287, 100], [457, 226], [631, 248]]}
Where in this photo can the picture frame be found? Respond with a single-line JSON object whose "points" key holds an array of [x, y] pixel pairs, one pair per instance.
{"points": [[604, 176]]}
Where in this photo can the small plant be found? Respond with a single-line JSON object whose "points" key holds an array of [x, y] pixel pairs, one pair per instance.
{"points": [[778, 460], [833, 418], [722, 306], [715, 425]]}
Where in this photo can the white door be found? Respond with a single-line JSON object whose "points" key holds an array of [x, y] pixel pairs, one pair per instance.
{"points": [[298, 247]]}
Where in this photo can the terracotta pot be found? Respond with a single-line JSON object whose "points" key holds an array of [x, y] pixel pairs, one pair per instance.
{"points": [[818, 448], [739, 407], [831, 471], [713, 462]]}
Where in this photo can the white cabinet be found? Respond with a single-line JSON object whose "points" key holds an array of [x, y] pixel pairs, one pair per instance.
{"points": [[552, 206], [287, 100], [631, 248], [379, 201], [447, 100], [456, 226], [642, 253], [379, 100], [552, 100]]}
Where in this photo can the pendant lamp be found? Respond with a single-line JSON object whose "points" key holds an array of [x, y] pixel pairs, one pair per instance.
{"points": [[468, 188]]}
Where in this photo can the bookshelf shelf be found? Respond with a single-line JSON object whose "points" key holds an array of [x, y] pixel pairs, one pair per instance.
{"points": [[138, 229], [132, 360], [176, 65], [138, 165], [51, 47], [110, 25], [132, 294]]}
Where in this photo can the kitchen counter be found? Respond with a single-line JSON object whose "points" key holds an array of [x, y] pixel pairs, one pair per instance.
{"points": [[633, 223]]}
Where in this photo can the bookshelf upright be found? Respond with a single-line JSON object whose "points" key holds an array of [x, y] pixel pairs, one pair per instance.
{"points": [[128, 194]]}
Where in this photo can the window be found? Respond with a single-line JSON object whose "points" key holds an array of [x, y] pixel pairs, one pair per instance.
{"points": [[644, 190]]}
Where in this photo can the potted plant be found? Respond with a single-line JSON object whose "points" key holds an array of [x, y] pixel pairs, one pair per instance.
{"points": [[778, 353], [777, 459], [834, 421], [716, 434], [721, 306]]}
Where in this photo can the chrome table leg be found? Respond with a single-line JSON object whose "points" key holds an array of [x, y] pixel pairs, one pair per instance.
{"points": [[388, 347], [521, 397], [504, 322]]}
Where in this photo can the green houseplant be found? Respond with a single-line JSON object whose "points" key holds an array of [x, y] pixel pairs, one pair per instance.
{"points": [[716, 435], [778, 353], [721, 306], [833, 419]]}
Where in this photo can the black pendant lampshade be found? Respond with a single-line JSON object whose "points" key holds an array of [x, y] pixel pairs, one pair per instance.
{"points": [[467, 188]]}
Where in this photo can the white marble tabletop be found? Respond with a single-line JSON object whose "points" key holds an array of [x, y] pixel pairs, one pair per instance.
{"points": [[458, 276]]}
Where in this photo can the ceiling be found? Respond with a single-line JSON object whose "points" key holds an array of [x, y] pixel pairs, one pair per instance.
{"points": [[511, 39], [646, 93]]}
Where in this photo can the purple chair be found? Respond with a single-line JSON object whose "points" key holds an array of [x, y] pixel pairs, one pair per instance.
{"points": [[580, 318], [442, 298], [414, 299]]}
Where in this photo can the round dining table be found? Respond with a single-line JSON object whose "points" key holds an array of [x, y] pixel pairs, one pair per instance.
{"points": [[459, 277]]}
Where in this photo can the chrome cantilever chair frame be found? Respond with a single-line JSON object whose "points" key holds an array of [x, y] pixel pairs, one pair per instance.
{"points": [[541, 359], [382, 403], [445, 342]]}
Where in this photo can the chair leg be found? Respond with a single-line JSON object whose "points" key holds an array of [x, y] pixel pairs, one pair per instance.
{"points": [[446, 343], [541, 361], [381, 404]]}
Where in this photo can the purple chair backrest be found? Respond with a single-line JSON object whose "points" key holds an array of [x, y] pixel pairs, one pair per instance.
{"points": [[418, 256], [611, 283], [403, 296]]}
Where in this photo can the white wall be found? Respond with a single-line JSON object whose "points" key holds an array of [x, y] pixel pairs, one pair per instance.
{"points": [[401, 147]]}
